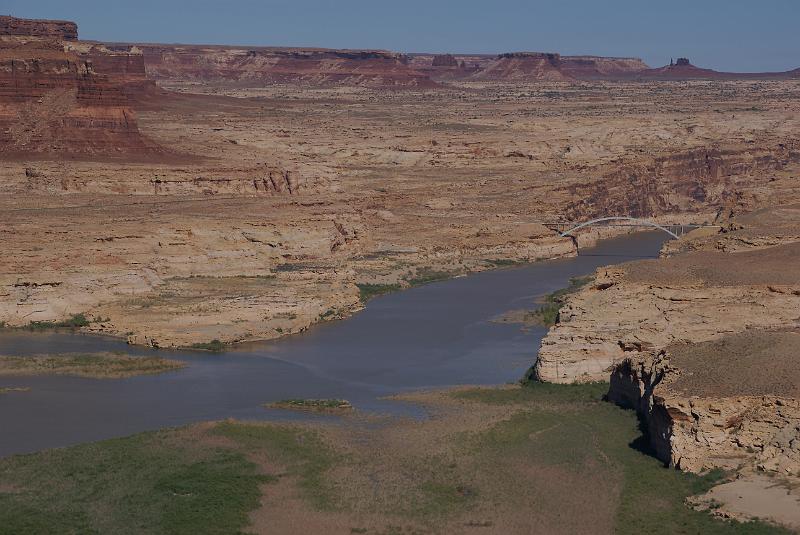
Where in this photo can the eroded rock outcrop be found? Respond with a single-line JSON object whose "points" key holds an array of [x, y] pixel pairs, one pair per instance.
{"points": [[723, 404], [683, 69], [444, 60]]}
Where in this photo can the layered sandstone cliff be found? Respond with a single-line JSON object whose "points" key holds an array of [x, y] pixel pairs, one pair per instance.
{"points": [[449, 67], [719, 287], [525, 66], [719, 178], [63, 96]]}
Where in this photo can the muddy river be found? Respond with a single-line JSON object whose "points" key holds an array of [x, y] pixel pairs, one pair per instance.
{"points": [[436, 335]]}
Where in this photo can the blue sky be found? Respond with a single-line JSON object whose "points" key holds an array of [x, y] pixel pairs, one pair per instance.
{"points": [[734, 35]]}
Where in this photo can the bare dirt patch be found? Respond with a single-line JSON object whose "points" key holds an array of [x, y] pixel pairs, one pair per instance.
{"points": [[752, 363], [755, 496]]}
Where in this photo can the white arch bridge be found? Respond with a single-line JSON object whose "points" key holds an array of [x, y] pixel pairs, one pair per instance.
{"points": [[567, 228]]}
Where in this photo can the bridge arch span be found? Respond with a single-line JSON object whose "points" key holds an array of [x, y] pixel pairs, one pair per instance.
{"points": [[619, 218]]}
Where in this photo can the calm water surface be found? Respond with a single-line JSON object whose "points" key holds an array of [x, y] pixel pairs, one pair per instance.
{"points": [[432, 336]]}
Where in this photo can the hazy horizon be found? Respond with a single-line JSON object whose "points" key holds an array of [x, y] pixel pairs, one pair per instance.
{"points": [[726, 36]]}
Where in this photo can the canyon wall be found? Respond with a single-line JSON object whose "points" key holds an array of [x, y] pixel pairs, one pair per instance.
{"points": [[124, 67], [698, 180]]}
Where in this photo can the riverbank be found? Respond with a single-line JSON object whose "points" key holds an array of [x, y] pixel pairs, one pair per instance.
{"points": [[543, 458]]}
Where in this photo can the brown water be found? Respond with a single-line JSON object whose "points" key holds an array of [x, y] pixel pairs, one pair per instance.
{"points": [[432, 336]]}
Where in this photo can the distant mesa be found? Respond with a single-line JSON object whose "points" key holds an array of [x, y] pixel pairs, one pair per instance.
{"points": [[61, 95], [272, 65], [683, 69], [56, 29], [523, 67], [600, 67]]}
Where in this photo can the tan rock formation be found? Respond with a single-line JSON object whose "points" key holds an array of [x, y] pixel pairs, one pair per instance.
{"points": [[692, 297], [730, 403], [684, 181], [600, 68]]}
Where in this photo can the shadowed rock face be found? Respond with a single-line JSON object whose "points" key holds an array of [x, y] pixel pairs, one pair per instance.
{"points": [[59, 95], [56, 29]]}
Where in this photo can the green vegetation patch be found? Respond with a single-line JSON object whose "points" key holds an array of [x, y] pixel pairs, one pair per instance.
{"points": [[214, 345], [577, 447], [551, 458], [312, 404], [505, 262], [546, 394], [301, 452], [145, 484], [547, 314], [368, 291], [426, 276], [97, 365], [75, 321], [13, 389]]}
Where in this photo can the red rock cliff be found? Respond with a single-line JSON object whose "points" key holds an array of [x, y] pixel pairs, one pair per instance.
{"points": [[56, 29], [54, 100]]}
